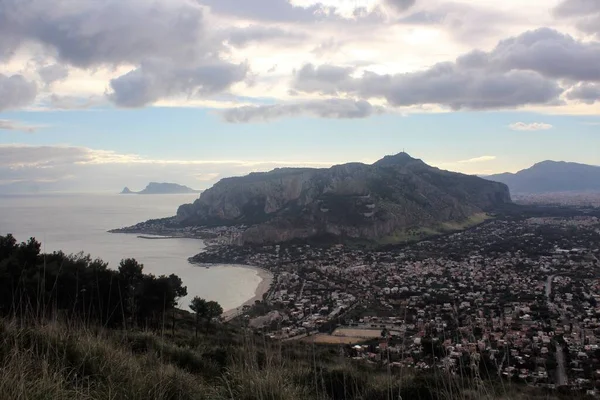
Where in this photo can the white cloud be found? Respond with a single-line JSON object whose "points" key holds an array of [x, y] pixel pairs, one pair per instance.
{"points": [[477, 160], [9, 125], [534, 126]]}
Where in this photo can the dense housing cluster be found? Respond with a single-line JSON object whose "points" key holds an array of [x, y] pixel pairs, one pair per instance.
{"points": [[515, 297]]}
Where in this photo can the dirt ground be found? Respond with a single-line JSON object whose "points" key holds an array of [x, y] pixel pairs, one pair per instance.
{"points": [[329, 339]]}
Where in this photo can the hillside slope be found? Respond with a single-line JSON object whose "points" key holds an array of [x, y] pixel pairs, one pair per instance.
{"points": [[353, 200], [552, 176]]}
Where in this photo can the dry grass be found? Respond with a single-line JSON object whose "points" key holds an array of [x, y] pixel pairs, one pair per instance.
{"points": [[54, 361]]}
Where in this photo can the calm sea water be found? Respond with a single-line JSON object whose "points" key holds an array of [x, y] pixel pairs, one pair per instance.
{"points": [[75, 223]]}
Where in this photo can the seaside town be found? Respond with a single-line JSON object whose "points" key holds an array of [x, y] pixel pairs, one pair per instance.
{"points": [[516, 297]]}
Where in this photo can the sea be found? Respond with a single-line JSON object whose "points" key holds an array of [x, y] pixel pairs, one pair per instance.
{"points": [[77, 223]]}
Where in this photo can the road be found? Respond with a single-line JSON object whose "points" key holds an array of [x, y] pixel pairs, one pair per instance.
{"points": [[549, 287], [561, 372]]}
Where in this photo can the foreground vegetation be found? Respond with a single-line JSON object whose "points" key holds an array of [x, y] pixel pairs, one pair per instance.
{"points": [[58, 361]]}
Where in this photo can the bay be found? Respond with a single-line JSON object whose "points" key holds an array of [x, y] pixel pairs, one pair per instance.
{"points": [[77, 223]]}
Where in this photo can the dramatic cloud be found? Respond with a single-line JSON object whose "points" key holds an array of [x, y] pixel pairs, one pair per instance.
{"points": [[241, 37], [519, 71], [153, 81], [446, 84], [16, 91], [535, 126], [548, 52], [9, 125], [90, 33], [164, 40], [587, 93], [330, 108]]}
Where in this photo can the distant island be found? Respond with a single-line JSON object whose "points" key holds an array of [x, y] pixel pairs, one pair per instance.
{"points": [[162, 188], [552, 177]]}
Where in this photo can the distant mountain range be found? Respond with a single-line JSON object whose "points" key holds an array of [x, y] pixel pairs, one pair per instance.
{"points": [[162, 188], [552, 176], [394, 198]]}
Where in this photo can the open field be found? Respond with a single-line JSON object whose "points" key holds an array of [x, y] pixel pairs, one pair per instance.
{"points": [[358, 333], [324, 338]]}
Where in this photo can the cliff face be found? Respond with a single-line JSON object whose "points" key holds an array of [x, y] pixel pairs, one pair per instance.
{"points": [[352, 200]]}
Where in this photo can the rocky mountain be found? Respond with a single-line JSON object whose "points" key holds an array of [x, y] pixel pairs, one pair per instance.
{"points": [[374, 202], [162, 188], [552, 176]]}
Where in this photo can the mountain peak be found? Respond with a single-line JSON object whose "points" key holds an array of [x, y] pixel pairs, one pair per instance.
{"points": [[397, 159], [552, 176], [352, 201]]}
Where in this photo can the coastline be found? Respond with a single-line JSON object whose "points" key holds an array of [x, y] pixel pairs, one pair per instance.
{"points": [[263, 287]]}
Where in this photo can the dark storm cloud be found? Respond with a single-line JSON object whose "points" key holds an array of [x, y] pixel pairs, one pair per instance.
{"points": [[241, 37], [153, 81], [329, 108], [16, 91], [587, 93]]}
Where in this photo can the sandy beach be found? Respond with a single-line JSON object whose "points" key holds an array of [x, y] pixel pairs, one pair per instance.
{"points": [[263, 287]]}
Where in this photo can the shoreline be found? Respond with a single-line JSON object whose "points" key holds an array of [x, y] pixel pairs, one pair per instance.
{"points": [[265, 275], [263, 287]]}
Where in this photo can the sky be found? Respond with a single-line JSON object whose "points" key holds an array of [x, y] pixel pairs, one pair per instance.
{"points": [[96, 95]]}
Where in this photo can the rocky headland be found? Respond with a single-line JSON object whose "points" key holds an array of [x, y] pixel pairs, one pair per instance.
{"points": [[393, 200]]}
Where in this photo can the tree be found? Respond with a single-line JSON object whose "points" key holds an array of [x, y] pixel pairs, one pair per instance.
{"points": [[180, 291], [131, 275], [205, 310]]}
